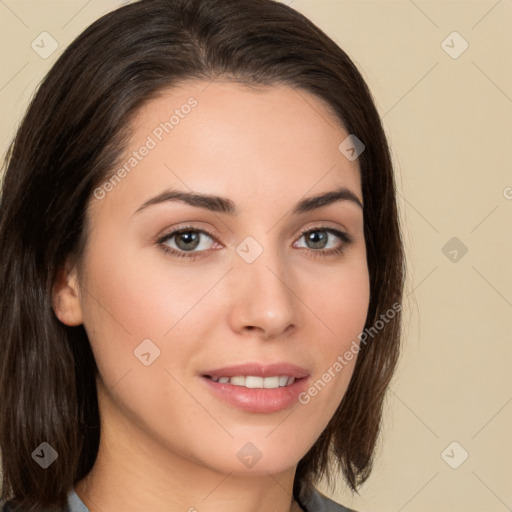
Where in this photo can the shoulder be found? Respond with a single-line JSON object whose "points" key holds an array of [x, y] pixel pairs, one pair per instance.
{"points": [[317, 502]]}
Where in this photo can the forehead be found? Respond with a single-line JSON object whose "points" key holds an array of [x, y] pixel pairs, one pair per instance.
{"points": [[230, 139]]}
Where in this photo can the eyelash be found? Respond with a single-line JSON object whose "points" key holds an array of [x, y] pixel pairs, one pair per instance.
{"points": [[193, 255]]}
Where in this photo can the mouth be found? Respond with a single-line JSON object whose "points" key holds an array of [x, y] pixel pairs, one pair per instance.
{"points": [[256, 388], [255, 382], [256, 370]]}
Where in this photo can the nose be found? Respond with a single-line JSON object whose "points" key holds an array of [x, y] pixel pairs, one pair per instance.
{"points": [[263, 299]]}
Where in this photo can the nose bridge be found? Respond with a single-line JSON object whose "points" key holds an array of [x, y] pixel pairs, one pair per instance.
{"points": [[264, 298]]}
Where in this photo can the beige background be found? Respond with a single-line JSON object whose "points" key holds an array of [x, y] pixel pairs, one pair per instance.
{"points": [[449, 121]]}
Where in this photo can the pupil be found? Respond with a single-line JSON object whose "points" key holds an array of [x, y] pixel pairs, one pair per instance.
{"points": [[317, 237], [191, 240]]}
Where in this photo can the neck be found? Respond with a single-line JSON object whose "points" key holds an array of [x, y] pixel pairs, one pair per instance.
{"points": [[133, 472]]}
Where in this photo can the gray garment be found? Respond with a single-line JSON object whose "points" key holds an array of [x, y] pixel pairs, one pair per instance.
{"points": [[75, 504], [316, 502]]}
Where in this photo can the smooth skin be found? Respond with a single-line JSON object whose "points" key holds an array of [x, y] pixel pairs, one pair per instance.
{"points": [[167, 444]]}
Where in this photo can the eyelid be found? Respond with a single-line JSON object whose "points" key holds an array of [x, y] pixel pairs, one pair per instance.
{"points": [[184, 227], [181, 228], [326, 227]]}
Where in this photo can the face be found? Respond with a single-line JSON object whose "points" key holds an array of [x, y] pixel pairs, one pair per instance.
{"points": [[263, 284]]}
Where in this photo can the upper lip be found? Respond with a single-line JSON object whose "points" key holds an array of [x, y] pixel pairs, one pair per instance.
{"points": [[259, 370]]}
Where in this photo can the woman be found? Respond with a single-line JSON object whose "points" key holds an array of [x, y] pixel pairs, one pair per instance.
{"points": [[202, 267]]}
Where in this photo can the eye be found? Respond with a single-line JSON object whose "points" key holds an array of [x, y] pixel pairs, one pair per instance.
{"points": [[323, 241], [190, 242], [186, 240]]}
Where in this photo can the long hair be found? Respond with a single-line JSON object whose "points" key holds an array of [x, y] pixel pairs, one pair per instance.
{"points": [[68, 143]]}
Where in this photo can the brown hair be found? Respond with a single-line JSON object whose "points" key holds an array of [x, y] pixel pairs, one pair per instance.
{"points": [[68, 143]]}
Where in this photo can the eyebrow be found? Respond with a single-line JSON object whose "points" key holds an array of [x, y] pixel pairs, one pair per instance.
{"points": [[224, 205]]}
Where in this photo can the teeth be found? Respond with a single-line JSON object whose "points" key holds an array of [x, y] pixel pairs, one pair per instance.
{"points": [[256, 382], [237, 381]]}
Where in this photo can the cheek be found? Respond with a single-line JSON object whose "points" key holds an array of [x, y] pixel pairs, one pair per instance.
{"points": [[131, 298], [339, 297], [340, 301], [350, 304]]}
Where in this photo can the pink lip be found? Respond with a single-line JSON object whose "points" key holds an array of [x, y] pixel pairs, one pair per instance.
{"points": [[259, 370], [262, 400], [257, 400]]}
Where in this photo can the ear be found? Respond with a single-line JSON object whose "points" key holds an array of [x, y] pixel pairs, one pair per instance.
{"points": [[65, 296]]}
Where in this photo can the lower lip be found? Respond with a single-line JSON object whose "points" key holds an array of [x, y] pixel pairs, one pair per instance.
{"points": [[260, 400]]}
